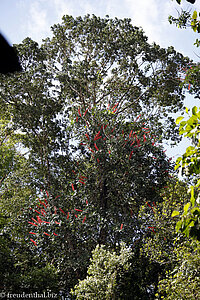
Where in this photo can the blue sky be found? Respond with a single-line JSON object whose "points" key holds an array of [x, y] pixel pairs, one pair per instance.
{"points": [[33, 18]]}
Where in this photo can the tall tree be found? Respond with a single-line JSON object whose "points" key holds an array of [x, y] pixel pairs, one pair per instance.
{"points": [[93, 105]]}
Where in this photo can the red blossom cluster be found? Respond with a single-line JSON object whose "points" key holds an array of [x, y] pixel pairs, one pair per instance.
{"points": [[136, 140], [44, 211]]}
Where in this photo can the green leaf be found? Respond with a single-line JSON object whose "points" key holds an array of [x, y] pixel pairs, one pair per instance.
{"points": [[177, 166], [175, 213], [194, 16], [186, 207], [178, 120], [192, 199], [178, 225], [194, 110]]}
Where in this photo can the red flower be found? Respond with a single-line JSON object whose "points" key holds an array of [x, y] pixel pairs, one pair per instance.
{"points": [[37, 211], [54, 233], [39, 220], [130, 154], [112, 129], [96, 147], [32, 232], [144, 138], [79, 112], [152, 227], [43, 211], [72, 187], [32, 223], [34, 220], [130, 134], [62, 211], [97, 138], [78, 209], [86, 202], [87, 136], [68, 215], [84, 219], [138, 117], [47, 194], [81, 182], [145, 128], [138, 141], [85, 112], [132, 143], [121, 226], [115, 106], [57, 222], [44, 204], [47, 234], [148, 204], [34, 242]]}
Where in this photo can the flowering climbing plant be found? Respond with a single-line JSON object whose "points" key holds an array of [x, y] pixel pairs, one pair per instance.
{"points": [[118, 166], [48, 219]]}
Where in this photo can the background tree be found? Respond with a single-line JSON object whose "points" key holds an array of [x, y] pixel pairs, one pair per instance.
{"points": [[187, 19]]}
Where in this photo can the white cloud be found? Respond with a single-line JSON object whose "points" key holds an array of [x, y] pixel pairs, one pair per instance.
{"points": [[62, 7], [36, 22], [151, 15]]}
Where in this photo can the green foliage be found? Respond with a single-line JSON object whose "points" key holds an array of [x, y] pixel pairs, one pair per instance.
{"points": [[190, 129], [189, 222], [176, 255], [101, 280], [183, 282], [117, 274], [161, 237]]}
